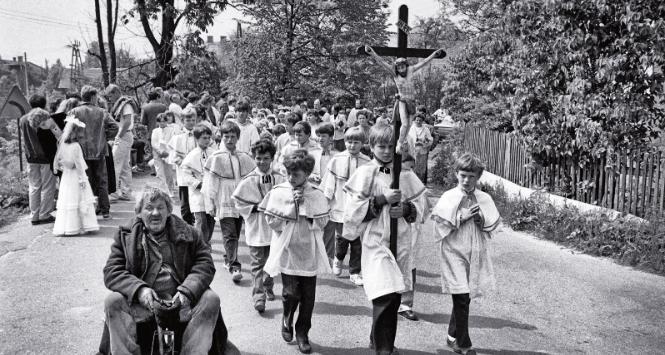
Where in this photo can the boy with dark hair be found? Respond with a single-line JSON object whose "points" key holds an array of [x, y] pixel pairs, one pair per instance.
{"points": [[302, 133], [297, 212], [465, 219], [247, 196], [369, 209], [249, 134], [223, 171], [339, 170], [192, 171]]}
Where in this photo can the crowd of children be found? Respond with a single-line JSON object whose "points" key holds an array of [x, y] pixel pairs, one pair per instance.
{"points": [[307, 191], [304, 201]]}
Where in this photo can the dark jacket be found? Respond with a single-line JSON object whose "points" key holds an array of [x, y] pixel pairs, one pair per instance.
{"points": [[127, 267], [37, 151], [99, 128]]}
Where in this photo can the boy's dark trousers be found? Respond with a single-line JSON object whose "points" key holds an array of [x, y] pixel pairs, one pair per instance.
{"points": [[459, 320], [329, 234], [204, 223], [384, 322], [231, 234], [299, 291], [342, 244], [262, 281], [185, 213]]}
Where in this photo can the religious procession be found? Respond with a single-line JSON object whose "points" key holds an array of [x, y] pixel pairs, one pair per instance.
{"points": [[273, 211]]}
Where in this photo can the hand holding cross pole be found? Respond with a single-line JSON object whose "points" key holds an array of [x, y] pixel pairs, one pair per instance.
{"points": [[401, 51]]}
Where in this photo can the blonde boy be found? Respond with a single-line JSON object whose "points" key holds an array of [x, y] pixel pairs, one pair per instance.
{"points": [[340, 168]]}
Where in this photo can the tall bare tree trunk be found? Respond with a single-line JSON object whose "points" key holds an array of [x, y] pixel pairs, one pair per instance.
{"points": [[100, 39], [111, 23]]}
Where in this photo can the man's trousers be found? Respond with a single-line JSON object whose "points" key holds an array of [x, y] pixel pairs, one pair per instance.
{"points": [[122, 156], [121, 319], [98, 178], [41, 189]]}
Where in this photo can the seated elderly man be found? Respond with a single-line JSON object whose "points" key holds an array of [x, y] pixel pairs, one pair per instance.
{"points": [[159, 257]]}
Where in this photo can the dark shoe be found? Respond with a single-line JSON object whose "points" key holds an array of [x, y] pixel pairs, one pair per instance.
{"points": [[106, 215], [260, 306], [236, 276], [270, 295], [409, 314], [287, 332], [47, 220], [304, 346]]}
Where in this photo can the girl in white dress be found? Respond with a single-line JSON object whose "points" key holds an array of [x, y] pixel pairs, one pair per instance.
{"points": [[76, 203]]}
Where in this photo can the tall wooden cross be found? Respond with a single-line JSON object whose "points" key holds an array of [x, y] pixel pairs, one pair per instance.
{"points": [[401, 51]]}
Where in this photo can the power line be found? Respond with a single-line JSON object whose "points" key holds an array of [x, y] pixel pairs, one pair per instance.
{"points": [[39, 20]]}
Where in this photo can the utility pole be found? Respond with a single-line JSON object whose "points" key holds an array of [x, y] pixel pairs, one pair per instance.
{"points": [[76, 64], [25, 73]]}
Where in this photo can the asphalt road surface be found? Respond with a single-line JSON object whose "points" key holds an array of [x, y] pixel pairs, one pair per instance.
{"points": [[550, 300]]}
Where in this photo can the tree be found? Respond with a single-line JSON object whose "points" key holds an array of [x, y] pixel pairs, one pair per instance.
{"points": [[100, 44], [304, 48], [165, 15], [198, 69], [124, 58], [573, 78]]}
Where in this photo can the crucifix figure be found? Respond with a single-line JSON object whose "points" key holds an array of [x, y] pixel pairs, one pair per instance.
{"points": [[405, 106]]}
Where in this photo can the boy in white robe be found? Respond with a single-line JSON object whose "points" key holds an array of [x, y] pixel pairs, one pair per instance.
{"points": [[249, 134], [247, 196], [465, 219], [180, 145], [302, 132], [369, 209], [223, 171], [339, 170], [192, 171], [297, 212]]}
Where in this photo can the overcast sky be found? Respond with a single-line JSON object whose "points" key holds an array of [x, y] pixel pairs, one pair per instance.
{"points": [[44, 28]]}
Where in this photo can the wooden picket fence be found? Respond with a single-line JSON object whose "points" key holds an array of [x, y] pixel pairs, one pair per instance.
{"points": [[626, 182]]}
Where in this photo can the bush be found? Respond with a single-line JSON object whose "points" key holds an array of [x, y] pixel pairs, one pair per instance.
{"points": [[448, 149], [13, 183], [629, 242]]}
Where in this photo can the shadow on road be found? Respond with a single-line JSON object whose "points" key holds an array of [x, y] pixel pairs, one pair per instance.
{"points": [[336, 283], [423, 273], [359, 351], [425, 288], [477, 321], [341, 310], [508, 352]]}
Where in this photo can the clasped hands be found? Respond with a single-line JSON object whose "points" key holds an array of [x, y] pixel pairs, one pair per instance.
{"points": [[395, 196], [148, 296]]}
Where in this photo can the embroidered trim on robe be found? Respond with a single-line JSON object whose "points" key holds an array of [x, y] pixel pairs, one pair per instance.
{"points": [[282, 205], [220, 164]]}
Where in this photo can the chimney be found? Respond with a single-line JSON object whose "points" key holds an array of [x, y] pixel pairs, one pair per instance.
{"points": [[210, 39]]}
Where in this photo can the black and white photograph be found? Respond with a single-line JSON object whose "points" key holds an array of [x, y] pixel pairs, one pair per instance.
{"points": [[332, 177]]}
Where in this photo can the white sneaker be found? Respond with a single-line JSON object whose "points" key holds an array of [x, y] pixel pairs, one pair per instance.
{"points": [[356, 279], [337, 267]]}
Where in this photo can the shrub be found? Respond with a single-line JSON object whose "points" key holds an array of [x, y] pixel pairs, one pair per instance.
{"points": [[448, 149], [629, 242]]}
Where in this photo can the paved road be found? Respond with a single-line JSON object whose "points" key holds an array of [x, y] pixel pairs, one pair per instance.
{"points": [[549, 301]]}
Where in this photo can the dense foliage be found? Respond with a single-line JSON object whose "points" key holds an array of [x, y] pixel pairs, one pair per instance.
{"points": [[572, 77], [305, 48]]}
